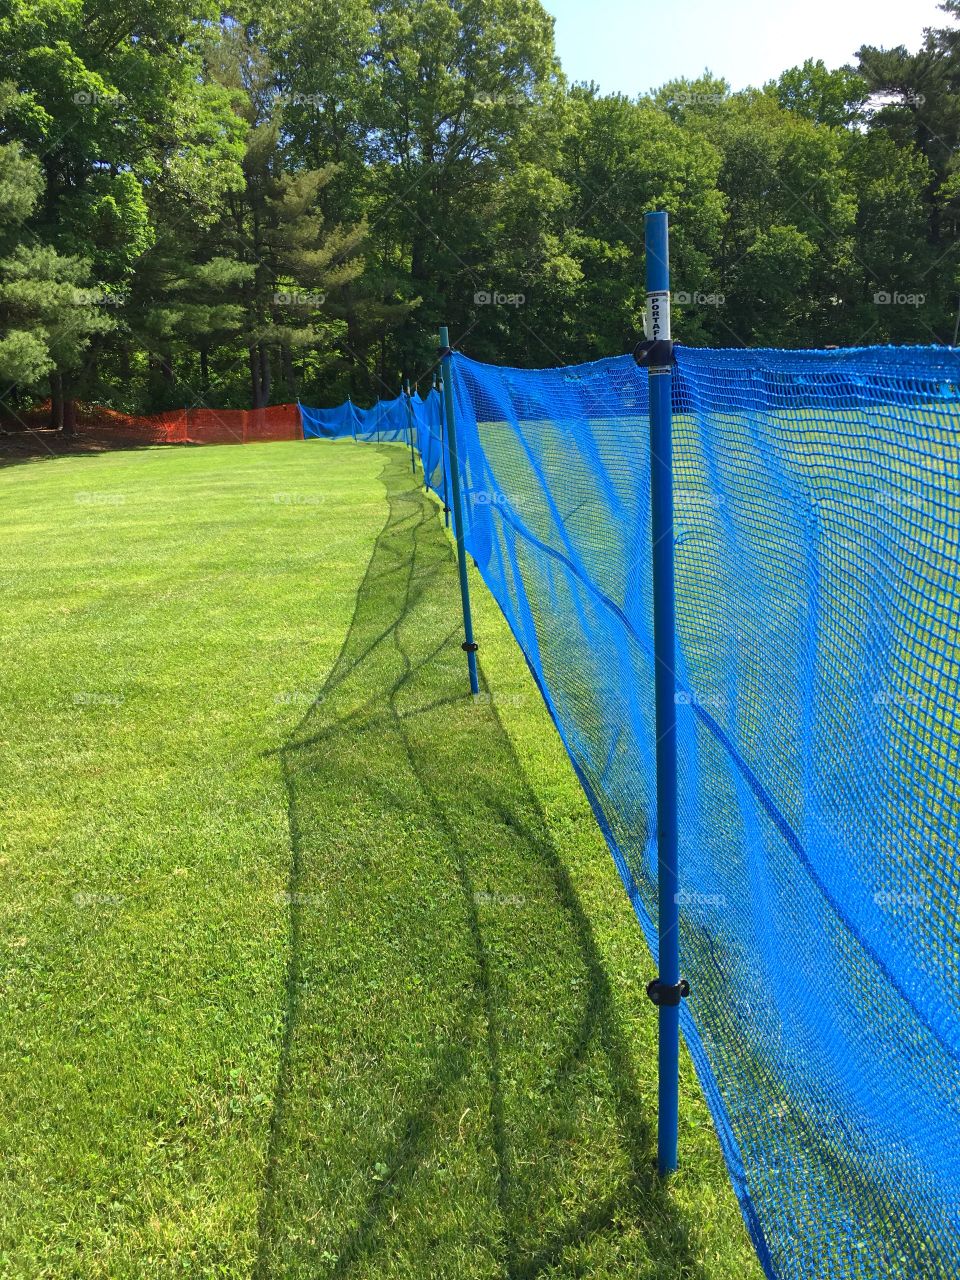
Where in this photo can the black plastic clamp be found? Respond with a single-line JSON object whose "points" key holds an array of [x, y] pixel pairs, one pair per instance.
{"points": [[664, 996], [469, 646], [442, 352], [654, 354]]}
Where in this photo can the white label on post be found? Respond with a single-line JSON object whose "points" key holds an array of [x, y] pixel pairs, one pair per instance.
{"points": [[657, 325]]}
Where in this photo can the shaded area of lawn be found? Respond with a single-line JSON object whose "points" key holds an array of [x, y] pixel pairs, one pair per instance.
{"points": [[458, 1095]]}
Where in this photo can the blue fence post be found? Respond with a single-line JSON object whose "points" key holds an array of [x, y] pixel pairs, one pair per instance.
{"points": [[469, 645], [406, 392], [666, 990]]}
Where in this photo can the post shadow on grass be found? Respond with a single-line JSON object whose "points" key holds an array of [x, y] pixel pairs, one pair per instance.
{"points": [[441, 966]]}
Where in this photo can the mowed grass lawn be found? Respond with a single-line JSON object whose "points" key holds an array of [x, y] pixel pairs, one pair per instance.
{"points": [[312, 965]]}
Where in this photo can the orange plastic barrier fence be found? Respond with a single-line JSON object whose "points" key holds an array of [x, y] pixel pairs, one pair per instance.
{"points": [[195, 426], [155, 428]]}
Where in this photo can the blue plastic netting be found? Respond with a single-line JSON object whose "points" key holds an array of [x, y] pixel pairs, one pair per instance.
{"points": [[817, 501], [431, 442], [817, 525], [387, 421], [328, 424]]}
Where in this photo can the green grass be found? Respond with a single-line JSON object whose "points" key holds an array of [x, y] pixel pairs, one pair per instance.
{"points": [[313, 966]]}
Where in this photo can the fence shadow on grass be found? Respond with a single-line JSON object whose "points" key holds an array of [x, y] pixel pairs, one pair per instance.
{"points": [[455, 1097]]}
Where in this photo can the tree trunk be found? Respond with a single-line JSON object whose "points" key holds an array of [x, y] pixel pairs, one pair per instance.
{"points": [[204, 370], [355, 342], [265, 376], [419, 257], [289, 373], [254, 355], [69, 416], [56, 400]]}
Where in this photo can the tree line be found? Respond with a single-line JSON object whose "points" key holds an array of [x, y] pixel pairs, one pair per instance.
{"points": [[241, 206]]}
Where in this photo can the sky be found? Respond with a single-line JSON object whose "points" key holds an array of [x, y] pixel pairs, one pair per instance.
{"points": [[631, 46]]}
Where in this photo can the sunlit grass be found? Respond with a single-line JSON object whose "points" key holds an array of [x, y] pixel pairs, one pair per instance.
{"points": [[313, 966]]}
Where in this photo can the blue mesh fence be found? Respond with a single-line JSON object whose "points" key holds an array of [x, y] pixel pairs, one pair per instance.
{"points": [[817, 530], [430, 440], [388, 421], [817, 527], [329, 424]]}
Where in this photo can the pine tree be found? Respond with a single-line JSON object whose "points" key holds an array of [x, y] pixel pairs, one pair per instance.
{"points": [[49, 314], [276, 228]]}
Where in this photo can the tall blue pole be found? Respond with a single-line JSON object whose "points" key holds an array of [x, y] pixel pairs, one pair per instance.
{"points": [[667, 989], [469, 644]]}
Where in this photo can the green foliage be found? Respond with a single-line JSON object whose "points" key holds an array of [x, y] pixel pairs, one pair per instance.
{"points": [[21, 182], [892, 250], [786, 248], [915, 104], [48, 317], [620, 159], [825, 97], [24, 355], [42, 289], [286, 198]]}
